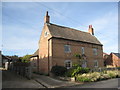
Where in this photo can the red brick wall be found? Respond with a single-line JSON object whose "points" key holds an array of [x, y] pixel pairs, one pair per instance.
{"points": [[43, 51], [116, 60], [59, 56], [113, 60]]}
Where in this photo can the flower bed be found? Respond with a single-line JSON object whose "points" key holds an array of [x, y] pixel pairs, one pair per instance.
{"points": [[96, 76]]}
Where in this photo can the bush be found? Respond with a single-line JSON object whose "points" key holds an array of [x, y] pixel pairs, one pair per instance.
{"points": [[112, 74], [76, 69], [83, 79], [96, 76], [90, 77], [58, 70]]}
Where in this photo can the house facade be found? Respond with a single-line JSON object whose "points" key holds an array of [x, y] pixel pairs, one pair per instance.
{"points": [[112, 60], [64, 46]]}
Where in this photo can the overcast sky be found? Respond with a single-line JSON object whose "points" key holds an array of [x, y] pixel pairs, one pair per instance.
{"points": [[22, 23]]}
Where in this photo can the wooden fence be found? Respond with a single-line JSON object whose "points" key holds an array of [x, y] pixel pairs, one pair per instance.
{"points": [[23, 69]]}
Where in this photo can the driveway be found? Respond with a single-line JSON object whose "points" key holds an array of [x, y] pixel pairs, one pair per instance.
{"points": [[12, 80]]}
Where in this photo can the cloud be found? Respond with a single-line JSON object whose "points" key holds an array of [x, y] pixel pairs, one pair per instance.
{"points": [[108, 20], [106, 30], [19, 38], [111, 48], [18, 5]]}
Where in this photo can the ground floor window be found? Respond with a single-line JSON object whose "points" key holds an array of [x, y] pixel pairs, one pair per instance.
{"points": [[68, 64], [95, 63]]}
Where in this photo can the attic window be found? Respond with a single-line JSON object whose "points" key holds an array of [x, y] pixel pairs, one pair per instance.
{"points": [[46, 33]]}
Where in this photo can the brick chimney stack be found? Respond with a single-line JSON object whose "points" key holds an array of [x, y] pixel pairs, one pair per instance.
{"points": [[91, 30], [46, 18]]}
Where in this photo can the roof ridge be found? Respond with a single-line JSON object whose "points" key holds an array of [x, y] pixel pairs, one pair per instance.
{"points": [[68, 28]]}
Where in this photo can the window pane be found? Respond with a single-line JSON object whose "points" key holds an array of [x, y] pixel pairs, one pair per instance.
{"points": [[68, 64], [82, 50], [95, 51], [67, 48]]}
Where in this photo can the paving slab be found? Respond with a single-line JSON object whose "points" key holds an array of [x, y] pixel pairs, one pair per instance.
{"points": [[50, 82]]}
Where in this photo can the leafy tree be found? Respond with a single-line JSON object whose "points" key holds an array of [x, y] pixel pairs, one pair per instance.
{"points": [[26, 58]]}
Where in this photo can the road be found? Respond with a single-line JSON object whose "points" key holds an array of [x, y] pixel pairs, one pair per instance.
{"points": [[111, 83], [12, 80]]}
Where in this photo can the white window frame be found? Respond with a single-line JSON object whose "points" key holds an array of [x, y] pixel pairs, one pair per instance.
{"points": [[66, 61], [96, 63], [95, 51], [83, 50], [69, 47]]}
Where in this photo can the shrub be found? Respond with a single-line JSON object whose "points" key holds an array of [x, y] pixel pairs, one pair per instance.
{"points": [[95, 76], [58, 70], [76, 69], [83, 78], [89, 77], [112, 74], [104, 77]]}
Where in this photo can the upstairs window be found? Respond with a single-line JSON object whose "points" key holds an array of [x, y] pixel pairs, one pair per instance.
{"points": [[67, 48], [94, 51], [83, 51], [68, 64]]}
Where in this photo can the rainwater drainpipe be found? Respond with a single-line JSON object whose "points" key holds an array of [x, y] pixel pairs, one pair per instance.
{"points": [[48, 59]]}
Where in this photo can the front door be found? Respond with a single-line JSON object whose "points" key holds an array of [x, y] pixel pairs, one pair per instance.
{"points": [[84, 64]]}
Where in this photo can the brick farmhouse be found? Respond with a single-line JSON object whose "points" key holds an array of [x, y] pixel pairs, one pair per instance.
{"points": [[64, 46]]}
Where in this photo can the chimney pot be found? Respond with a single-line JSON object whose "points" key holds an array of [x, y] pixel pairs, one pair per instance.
{"points": [[46, 18], [91, 30]]}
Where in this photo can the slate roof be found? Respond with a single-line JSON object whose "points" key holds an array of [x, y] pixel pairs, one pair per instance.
{"points": [[6, 57], [71, 34], [117, 54]]}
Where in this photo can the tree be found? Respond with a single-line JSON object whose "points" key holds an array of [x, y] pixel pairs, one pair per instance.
{"points": [[26, 58]]}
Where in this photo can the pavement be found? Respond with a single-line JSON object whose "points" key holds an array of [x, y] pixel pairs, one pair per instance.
{"points": [[13, 80], [49, 82]]}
